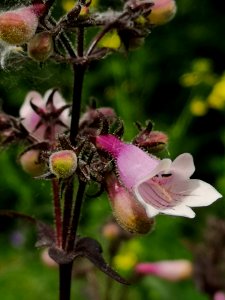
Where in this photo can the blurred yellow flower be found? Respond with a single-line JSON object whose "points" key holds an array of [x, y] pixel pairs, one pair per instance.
{"points": [[217, 97], [189, 79], [125, 261], [198, 107], [68, 5]]}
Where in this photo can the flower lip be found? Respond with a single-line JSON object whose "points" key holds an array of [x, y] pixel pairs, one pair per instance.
{"points": [[171, 191]]}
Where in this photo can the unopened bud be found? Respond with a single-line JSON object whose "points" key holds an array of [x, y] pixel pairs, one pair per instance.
{"points": [[40, 47], [19, 26], [162, 11], [170, 270], [152, 141], [63, 163], [31, 163], [129, 213]]}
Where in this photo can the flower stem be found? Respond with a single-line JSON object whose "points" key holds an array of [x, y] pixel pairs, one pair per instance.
{"points": [[65, 272], [68, 204], [79, 72], [57, 212], [71, 219], [76, 216]]}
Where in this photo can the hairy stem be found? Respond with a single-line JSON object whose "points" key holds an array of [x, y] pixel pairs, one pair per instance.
{"points": [[57, 212], [79, 71], [71, 219], [76, 216], [68, 204]]}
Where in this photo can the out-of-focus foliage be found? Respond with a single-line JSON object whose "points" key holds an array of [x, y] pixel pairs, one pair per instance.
{"points": [[177, 80]]}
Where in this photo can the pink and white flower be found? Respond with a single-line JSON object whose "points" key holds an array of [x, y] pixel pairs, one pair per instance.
{"points": [[161, 186], [173, 270], [41, 115]]}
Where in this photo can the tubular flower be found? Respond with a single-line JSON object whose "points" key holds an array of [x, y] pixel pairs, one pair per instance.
{"points": [[161, 186], [45, 117], [170, 270]]}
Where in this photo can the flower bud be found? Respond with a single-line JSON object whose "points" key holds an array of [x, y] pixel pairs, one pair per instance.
{"points": [[63, 163], [152, 141], [162, 11], [40, 47], [170, 270], [31, 164], [130, 214], [18, 26]]}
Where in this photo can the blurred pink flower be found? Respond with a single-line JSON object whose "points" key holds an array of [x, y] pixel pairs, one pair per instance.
{"points": [[171, 270], [174, 270], [45, 117], [219, 296], [161, 186]]}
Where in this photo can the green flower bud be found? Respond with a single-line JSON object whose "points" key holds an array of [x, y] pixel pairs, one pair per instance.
{"points": [[63, 163]]}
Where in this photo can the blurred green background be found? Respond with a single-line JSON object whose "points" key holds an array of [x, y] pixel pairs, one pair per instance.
{"points": [[177, 80]]}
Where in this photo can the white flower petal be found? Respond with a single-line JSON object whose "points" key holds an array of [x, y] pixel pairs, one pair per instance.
{"points": [[183, 165], [26, 108], [202, 194], [163, 166], [151, 211], [179, 210]]}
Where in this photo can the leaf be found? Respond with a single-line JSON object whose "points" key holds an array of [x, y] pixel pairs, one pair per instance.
{"points": [[92, 250], [45, 235], [60, 256]]}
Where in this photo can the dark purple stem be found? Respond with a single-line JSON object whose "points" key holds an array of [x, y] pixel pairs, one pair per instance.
{"points": [[76, 216], [79, 71], [57, 212], [72, 215], [68, 204], [65, 272]]}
